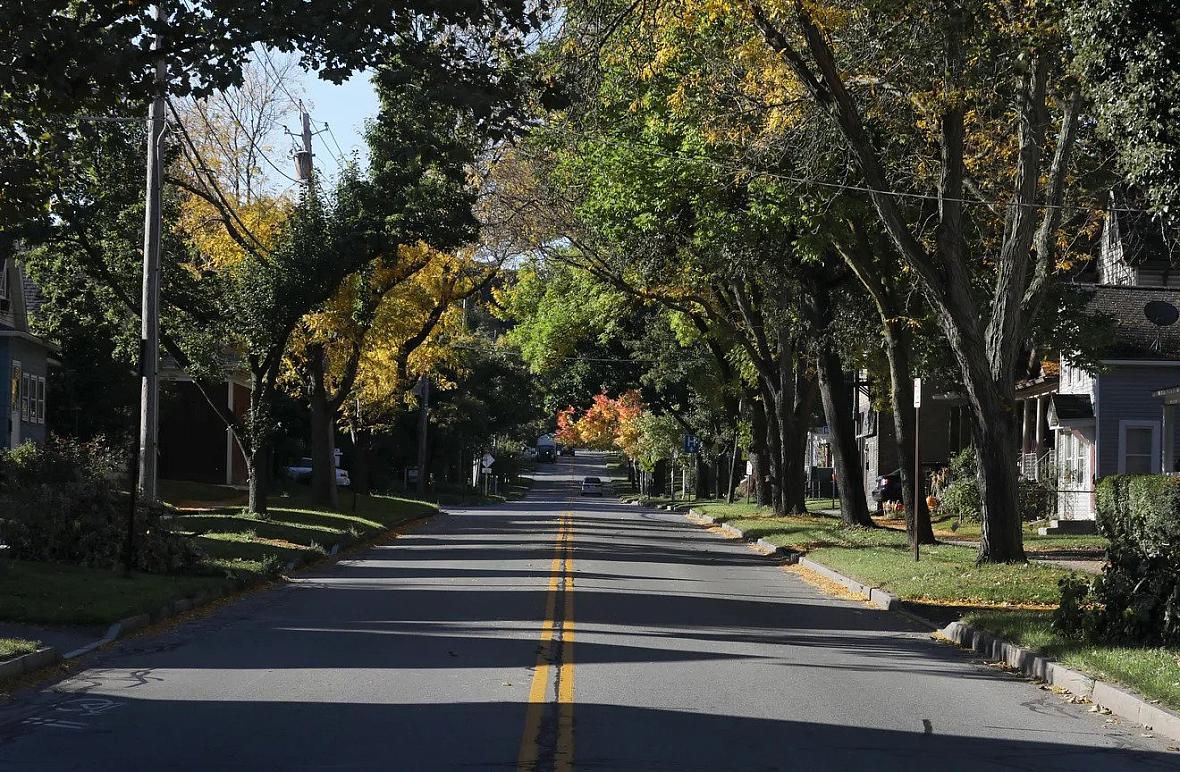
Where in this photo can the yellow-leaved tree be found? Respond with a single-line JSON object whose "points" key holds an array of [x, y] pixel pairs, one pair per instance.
{"points": [[356, 358]]}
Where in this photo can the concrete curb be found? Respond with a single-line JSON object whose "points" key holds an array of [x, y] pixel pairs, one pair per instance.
{"points": [[27, 663], [874, 595], [126, 626], [1118, 701]]}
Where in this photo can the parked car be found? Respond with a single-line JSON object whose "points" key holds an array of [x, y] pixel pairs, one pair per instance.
{"points": [[591, 486], [565, 450], [888, 487], [301, 473], [529, 454]]}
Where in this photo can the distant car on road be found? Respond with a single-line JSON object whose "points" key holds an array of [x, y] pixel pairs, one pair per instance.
{"points": [[565, 450], [888, 487], [591, 486], [301, 473]]}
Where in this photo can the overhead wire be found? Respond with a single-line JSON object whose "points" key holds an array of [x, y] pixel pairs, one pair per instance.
{"points": [[739, 167]]}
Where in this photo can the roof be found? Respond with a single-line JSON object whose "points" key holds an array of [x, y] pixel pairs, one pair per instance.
{"points": [[1133, 335], [1067, 409], [1140, 233]]}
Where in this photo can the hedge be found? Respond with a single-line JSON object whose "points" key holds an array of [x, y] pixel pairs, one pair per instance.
{"points": [[1138, 595]]}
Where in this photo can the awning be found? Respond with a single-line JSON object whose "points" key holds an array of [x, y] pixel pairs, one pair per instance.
{"points": [[1067, 411]]}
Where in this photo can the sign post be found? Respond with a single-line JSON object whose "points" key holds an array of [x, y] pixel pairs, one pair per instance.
{"points": [[917, 467], [486, 464]]}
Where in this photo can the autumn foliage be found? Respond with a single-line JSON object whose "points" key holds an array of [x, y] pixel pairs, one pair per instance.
{"points": [[606, 425]]}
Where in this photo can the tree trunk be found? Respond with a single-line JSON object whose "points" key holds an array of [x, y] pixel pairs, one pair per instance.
{"points": [[323, 431], [258, 457], [361, 474], [759, 454], [704, 477], [732, 478], [995, 443], [917, 513], [837, 401], [774, 449], [257, 481], [323, 446], [658, 478]]}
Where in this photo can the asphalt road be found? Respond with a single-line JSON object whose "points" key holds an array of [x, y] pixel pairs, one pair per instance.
{"points": [[554, 634]]}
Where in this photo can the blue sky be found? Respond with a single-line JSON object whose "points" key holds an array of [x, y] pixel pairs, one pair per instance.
{"points": [[344, 108]]}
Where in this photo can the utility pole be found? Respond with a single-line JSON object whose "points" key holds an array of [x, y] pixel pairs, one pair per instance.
{"points": [[149, 344], [304, 165], [423, 425]]}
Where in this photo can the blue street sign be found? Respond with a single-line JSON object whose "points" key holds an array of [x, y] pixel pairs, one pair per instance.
{"points": [[691, 444]]}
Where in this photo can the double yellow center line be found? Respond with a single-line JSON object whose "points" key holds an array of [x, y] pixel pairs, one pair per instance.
{"points": [[555, 656]]}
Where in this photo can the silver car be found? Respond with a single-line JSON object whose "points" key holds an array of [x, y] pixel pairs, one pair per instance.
{"points": [[591, 486]]}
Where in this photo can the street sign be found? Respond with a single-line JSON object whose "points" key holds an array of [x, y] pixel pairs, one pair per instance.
{"points": [[917, 392], [692, 444], [488, 459]]}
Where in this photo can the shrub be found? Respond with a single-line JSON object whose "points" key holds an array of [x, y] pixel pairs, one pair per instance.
{"points": [[1137, 598], [960, 498], [1036, 499], [59, 502]]}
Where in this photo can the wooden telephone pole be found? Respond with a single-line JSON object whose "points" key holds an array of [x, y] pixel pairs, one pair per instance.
{"points": [[149, 343]]}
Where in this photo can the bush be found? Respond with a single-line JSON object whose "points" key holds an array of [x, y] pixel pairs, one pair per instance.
{"points": [[960, 497], [1036, 499], [1137, 598], [59, 502]]}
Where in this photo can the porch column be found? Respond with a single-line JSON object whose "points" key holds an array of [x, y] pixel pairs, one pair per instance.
{"points": [[1169, 438], [1040, 430], [1026, 435]]}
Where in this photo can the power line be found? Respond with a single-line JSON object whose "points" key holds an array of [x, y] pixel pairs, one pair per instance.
{"points": [[738, 167], [332, 134], [245, 133], [298, 103], [328, 149]]}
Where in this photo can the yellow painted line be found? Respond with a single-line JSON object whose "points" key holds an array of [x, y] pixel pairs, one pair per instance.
{"points": [[530, 747], [563, 756]]}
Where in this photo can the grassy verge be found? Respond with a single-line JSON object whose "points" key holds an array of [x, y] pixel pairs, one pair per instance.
{"points": [[1153, 672], [240, 549], [52, 593], [880, 557], [15, 647], [514, 491], [949, 528]]}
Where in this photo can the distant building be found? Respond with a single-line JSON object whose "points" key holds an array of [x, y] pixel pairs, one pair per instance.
{"points": [[25, 359], [195, 443], [1080, 426]]}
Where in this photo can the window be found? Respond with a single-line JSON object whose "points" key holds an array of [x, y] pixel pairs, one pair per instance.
{"points": [[38, 400], [1075, 455], [1139, 447], [24, 397]]}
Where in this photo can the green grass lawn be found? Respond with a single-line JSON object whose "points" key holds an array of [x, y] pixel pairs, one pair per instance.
{"points": [[57, 594], [246, 546], [880, 557], [1033, 541], [15, 647], [239, 549], [1153, 672], [514, 491]]}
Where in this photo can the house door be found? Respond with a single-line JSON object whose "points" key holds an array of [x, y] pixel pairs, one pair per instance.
{"points": [[1075, 487]]}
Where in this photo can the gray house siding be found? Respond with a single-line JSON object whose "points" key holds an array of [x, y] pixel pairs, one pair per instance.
{"points": [[1124, 393]]}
